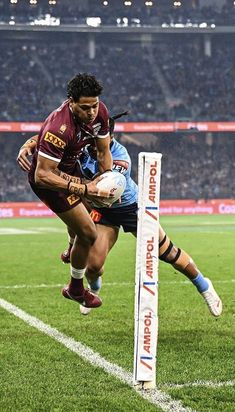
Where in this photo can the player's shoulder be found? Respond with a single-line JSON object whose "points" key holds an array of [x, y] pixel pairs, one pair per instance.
{"points": [[103, 110], [118, 150], [59, 122]]}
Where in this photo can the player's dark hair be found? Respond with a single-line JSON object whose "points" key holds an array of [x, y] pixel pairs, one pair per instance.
{"points": [[112, 121], [83, 84]]}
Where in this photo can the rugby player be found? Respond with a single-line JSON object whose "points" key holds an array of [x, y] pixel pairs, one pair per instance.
{"points": [[109, 220], [80, 120]]}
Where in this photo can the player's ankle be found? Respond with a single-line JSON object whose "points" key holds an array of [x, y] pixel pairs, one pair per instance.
{"points": [[95, 284], [201, 283]]}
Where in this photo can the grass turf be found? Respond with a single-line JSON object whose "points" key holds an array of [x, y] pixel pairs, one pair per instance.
{"points": [[39, 374]]}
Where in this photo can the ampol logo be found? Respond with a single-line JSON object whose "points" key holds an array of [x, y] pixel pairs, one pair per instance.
{"points": [[151, 251], [152, 191], [146, 359]]}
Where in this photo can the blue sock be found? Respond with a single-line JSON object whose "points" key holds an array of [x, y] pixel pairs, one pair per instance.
{"points": [[96, 285], [200, 282]]}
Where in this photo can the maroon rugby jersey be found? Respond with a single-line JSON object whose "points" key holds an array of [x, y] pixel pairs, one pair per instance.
{"points": [[62, 137]]}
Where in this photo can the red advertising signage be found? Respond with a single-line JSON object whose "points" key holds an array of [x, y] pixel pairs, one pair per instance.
{"points": [[24, 209], [200, 207], [167, 207], [135, 127]]}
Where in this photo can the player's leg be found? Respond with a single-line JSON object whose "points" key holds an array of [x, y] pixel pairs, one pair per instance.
{"points": [[182, 262], [106, 238], [65, 255], [79, 221]]}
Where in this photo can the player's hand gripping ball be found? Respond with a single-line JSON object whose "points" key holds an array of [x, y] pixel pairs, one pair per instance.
{"points": [[114, 182]]}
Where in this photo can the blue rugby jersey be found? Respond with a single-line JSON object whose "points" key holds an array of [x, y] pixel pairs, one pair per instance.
{"points": [[121, 164]]}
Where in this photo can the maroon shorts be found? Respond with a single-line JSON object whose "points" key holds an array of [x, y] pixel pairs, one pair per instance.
{"points": [[58, 202]]}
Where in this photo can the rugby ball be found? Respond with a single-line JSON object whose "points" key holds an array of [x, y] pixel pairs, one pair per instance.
{"points": [[114, 182]]}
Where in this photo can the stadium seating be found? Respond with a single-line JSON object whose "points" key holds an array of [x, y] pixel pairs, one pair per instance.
{"points": [[188, 166]]}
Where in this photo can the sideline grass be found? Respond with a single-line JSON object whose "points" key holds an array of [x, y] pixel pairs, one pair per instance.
{"points": [[40, 375]]}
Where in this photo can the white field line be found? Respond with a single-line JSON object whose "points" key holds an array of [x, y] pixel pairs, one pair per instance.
{"points": [[60, 285], [208, 384], [155, 396]]}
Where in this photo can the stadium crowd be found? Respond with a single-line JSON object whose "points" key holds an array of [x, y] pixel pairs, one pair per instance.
{"points": [[192, 167], [167, 86]]}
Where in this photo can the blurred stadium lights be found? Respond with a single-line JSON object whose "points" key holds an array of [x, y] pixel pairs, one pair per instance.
{"points": [[12, 21], [105, 3], [148, 3], [127, 3], [123, 22], [47, 20], [177, 4], [93, 21]]}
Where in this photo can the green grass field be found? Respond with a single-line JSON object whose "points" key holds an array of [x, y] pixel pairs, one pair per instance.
{"points": [[195, 350]]}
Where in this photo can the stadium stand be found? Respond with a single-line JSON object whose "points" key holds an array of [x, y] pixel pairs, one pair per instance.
{"points": [[191, 167], [152, 84], [162, 77]]}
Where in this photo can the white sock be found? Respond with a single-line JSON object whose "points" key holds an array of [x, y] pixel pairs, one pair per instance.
{"points": [[77, 273]]}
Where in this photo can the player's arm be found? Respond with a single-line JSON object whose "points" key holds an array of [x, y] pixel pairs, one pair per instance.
{"points": [[46, 177], [28, 149], [25, 151], [104, 157]]}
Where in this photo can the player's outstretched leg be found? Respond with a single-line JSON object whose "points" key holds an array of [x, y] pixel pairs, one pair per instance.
{"points": [[182, 262]]}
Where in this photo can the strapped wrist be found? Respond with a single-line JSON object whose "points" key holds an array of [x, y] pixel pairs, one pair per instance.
{"points": [[76, 188]]}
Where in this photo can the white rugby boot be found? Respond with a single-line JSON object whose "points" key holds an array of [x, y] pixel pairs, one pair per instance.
{"points": [[212, 300], [84, 310]]}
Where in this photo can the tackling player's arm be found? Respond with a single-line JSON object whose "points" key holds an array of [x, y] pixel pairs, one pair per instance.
{"points": [[26, 150], [104, 157]]}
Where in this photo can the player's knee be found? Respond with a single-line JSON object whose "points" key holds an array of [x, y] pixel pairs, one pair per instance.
{"points": [[167, 251], [88, 235], [170, 254]]}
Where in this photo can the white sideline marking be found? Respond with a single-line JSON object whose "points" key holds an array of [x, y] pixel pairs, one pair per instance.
{"points": [[31, 231], [155, 396], [60, 285], [209, 384]]}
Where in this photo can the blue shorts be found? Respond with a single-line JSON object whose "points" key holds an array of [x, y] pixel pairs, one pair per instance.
{"points": [[125, 216]]}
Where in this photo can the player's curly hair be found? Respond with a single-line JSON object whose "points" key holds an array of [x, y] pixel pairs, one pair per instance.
{"points": [[83, 84]]}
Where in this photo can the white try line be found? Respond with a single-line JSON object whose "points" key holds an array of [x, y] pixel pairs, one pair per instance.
{"points": [[60, 285], [157, 397]]}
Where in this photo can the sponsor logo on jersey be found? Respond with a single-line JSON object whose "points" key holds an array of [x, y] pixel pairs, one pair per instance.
{"points": [[55, 140], [62, 129], [120, 166], [96, 127], [72, 199], [95, 216]]}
